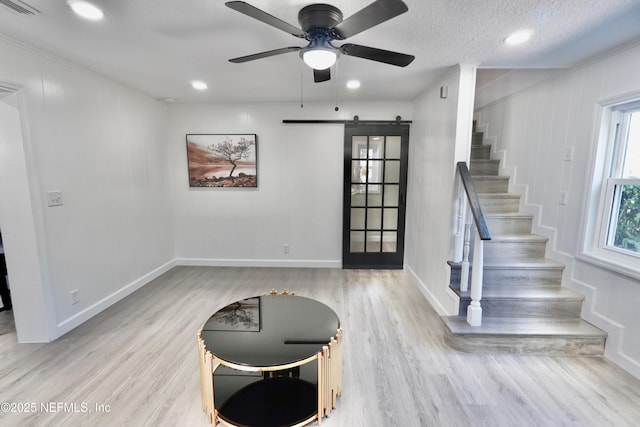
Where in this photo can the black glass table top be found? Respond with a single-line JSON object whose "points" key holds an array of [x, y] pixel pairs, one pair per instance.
{"points": [[270, 330]]}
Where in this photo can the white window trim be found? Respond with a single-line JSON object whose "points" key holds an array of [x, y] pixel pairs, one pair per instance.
{"points": [[595, 227]]}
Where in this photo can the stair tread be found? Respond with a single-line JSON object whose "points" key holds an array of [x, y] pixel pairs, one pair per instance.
{"points": [[524, 237], [528, 292], [533, 264], [508, 215], [501, 177], [516, 326], [499, 195]]}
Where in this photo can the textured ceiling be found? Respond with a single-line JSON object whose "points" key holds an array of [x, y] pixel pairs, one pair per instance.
{"points": [[159, 46]]}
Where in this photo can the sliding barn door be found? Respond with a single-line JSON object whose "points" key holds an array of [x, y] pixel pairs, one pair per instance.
{"points": [[375, 181]]}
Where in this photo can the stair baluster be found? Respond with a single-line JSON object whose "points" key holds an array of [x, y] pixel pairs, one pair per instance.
{"points": [[464, 266]]}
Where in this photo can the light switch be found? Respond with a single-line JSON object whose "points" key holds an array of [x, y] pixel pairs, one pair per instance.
{"points": [[54, 198], [564, 197], [568, 154]]}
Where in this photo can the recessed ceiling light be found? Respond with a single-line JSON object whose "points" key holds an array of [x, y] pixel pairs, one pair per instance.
{"points": [[199, 85], [86, 10], [353, 84], [519, 37]]}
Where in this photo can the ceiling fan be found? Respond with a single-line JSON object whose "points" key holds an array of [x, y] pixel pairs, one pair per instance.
{"points": [[321, 25]]}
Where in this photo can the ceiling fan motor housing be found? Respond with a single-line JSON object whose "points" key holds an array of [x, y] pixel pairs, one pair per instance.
{"points": [[319, 15], [317, 21]]}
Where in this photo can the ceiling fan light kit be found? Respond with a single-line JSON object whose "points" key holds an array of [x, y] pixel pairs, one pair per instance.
{"points": [[322, 24], [319, 58]]}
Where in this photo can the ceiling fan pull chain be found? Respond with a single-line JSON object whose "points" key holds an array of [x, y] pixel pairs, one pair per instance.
{"points": [[337, 85], [301, 84]]}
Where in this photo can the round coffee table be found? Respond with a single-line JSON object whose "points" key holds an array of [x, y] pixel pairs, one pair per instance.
{"points": [[271, 360]]}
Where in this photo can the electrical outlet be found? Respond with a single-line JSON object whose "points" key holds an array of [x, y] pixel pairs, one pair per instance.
{"points": [[285, 248], [74, 297]]}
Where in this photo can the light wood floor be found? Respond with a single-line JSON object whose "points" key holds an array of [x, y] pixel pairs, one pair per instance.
{"points": [[138, 359]]}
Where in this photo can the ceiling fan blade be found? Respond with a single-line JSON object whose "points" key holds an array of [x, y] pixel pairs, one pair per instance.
{"points": [[374, 54], [266, 54], [262, 16], [372, 15], [320, 76]]}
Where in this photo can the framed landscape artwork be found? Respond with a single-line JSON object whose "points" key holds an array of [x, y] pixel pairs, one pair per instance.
{"points": [[222, 160]]}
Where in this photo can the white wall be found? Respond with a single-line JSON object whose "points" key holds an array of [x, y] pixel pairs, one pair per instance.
{"points": [[299, 196], [440, 136], [103, 146], [19, 232], [531, 130]]}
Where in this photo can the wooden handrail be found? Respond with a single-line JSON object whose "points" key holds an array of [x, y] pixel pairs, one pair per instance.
{"points": [[474, 202]]}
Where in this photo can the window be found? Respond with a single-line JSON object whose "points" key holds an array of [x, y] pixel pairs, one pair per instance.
{"points": [[614, 237], [622, 199]]}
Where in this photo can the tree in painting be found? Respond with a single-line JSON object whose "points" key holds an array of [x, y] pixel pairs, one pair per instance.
{"points": [[237, 315], [232, 152]]}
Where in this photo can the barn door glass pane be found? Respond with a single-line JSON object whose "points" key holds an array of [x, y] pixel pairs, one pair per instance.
{"points": [[375, 180]]}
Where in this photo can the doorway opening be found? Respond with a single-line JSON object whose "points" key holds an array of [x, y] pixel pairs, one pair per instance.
{"points": [[7, 323], [20, 221]]}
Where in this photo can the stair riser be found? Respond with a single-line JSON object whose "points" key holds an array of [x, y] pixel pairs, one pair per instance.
{"points": [[491, 185], [560, 309], [547, 346], [519, 277], [509, 225], [513, 251], [476, 138], [490, 167], [515, 277], [499, 204], [480, 152]]}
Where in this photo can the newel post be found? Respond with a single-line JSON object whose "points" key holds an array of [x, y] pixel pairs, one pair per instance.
{"points": [[474, 310]]}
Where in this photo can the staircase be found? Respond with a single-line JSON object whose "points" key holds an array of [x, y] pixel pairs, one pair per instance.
{"points": [[525, 309]]}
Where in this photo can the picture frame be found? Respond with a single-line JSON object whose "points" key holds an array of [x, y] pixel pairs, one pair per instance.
{"points": [[222, 160]]}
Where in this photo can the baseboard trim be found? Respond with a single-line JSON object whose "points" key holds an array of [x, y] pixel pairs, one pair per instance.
{"points": [[625, 362], [431, 298], [86, 314], [298, 263]]}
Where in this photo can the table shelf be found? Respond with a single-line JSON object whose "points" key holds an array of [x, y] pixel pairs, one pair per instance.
{"points": [[272, 402]]}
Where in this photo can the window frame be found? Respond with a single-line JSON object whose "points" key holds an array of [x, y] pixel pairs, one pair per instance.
{"points": [[607, 172]]}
